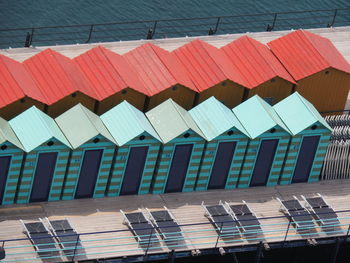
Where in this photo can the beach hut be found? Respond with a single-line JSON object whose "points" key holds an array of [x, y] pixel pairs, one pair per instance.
{"points": [[227, 143], [263, 74], [308, 146], [47, 151], [211, 72], [92, 155], [267, 147], [179, 160], [318, 67], [18, 91], [162, 75], [112, 78], [60, 81], [138, 148], [11, 157]]}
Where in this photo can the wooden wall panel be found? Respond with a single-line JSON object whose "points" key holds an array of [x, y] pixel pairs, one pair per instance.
{"points": [[12, 110]]}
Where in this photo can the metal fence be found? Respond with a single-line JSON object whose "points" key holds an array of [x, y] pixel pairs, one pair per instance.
{"points": [[164, 28], [195, 237]]}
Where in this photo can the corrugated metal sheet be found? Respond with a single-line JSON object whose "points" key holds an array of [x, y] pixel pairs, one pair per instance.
{"points": [[7, 134], [254, 61], [125, 122], [157, 68], [214, 118], [79, 125], [303, 53], [171, 120], [257, 116], [206, 65], [34, 127], [298, 114], [56, 76]]}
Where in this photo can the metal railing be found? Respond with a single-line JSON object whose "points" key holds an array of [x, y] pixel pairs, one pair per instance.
{"points": [[164, 28], [115, 243]]}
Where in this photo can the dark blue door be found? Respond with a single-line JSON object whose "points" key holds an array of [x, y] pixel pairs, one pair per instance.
{"points": [[264, 162], [178, 168], [306, 158], [134, 170], [4, 170], [88, 174], [45, 168], [222, 165]]}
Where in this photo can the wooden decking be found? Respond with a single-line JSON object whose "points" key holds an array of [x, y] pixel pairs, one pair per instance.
{"points": [[95, 215]]}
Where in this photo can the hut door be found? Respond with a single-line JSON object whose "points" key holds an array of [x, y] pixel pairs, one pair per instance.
{"points": [[88, 174], [134, 170], [264, 162], [178, 169], [4, 169], [222, 165], [306, 158], [45, 168]]}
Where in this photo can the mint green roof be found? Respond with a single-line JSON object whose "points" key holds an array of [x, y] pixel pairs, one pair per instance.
{"points": [[214, 118], [171, 120], [7, 134], [298, 113], [125, 122], [33, 128], [257, 116], [80, 125]]}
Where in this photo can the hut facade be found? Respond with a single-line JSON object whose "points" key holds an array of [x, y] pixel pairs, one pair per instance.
{"points": [[308, 146], [268, 145], [227, 142], [47, 152], [317, 66], [138, 148], [179, 160], [92, 155]]}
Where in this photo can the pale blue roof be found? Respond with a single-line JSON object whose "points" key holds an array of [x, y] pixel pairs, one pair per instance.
{"points": [[125, 122], [33, 128], [7, 134], [298, 113], [257, 116], [214, 118]]}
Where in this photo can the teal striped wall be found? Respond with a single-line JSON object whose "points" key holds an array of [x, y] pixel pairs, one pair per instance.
{"points": [[292, 155], [122, 159], [30, 162], [209, 159], [11, 184], [160, 178], [71, 180], [253, 150]]}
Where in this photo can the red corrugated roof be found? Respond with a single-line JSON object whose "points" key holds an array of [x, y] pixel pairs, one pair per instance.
{"points": [[255, 62], [57, 76], [303, 53], [157, 68], [108, 72]]}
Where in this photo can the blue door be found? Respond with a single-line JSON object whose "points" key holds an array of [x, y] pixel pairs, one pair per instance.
{"points": [[264, 162], [45, 168], [4, 170], [178, 168], [306, 158], [88, 173], [222, 165], [134, 170]]}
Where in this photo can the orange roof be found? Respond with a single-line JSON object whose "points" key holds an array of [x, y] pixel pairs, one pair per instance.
{"points": [[303, 53]]}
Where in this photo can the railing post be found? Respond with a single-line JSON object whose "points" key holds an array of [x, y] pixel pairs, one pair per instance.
{"points": [[259, 252], [333, 20], [286, 235], [149, 241], [270, 28], [336, 250], [217, 25], [217, 240], [151, 31], [90, 33], [29, 38], [76, 245]]}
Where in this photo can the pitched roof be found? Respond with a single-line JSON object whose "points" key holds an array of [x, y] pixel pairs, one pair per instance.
{"points": [[171, 120], [298, 114], [214, 118], [7, 134], [257, 116], [33, 128], [125, 122], [80, 125], [303, 53], [255, 62]]}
